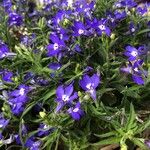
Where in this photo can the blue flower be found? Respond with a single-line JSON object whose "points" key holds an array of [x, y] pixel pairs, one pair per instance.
{"points": [[89, 84], [101, 27], [76, 111], [4, 50], [15, 19], [131, 52], [32, 144], [3, 122], [57, 46], [18, 98], [78, 28], [7, 76], [65, 95]]}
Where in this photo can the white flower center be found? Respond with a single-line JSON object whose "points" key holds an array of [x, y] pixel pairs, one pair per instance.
{"points": [[88, 86], [134, 53], [102, 27], [136, 69], [65, 98], [76, 110], [132, 30], [21, 92], [55, 46], [80, 31]]}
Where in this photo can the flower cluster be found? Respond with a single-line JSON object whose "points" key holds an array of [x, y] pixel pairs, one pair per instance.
{"points": [[62, 61]]}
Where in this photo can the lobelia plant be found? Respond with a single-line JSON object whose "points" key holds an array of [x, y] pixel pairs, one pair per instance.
{"points": [[69, 70]]}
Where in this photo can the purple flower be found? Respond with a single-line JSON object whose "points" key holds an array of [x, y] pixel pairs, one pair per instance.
{"points": [[89, 84], [132, 53], [32, 144], [3, 122], [78, 29], [7, 76], [76, 111], [7, 4], [65, 95], [135, 70], [4, 50], [15, 19], [125, 4], [142, 10], [119, 14], [55, 66], [57, 46], [101, 27], [18, 98], [147, 142], [43, 130]]}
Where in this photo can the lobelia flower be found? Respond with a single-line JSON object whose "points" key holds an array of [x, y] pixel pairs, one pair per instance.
{"points": [[7, 76], [65, 95], [18, 98], [120, 15], [32, 144], [78, 28], [15, 19], [135, 70], [76, 112], [57, 46], [131, 52], [89, 84], [147, 143], [101, 27], [7, 4], [4, 50], [44, 130], [125, 4], [3, 122], [142, 10], [132, 27]]}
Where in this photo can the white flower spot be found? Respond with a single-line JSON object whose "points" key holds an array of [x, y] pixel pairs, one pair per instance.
{"points": [[55, 46], [80, 31], [65, 98], [76, 110], [22, 91], [134, 53], [102, 27]]}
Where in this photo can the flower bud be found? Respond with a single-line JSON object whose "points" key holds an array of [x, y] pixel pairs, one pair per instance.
{"points": [[42, 114]]}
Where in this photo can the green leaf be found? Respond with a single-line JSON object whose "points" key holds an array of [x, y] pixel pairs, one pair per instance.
{"points": [[139, 143], [131, 118], [112, 140], [144, 31], [112, 133], [144, 126]]}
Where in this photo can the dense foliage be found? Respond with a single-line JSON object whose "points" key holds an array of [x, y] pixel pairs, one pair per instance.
{"points": [[74, 75]]}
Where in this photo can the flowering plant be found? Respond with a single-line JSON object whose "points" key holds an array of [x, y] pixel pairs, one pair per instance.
{"points": [[74, 74]]}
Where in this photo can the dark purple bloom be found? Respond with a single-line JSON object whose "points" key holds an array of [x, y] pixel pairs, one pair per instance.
{"points": [[101, 27], [125, 4], [142, 10], [78, 29], [135, 70], [119, 14], [7, 76], [15, 19], [7, 4], [18, 98], [57, 46], [65, 95], [32, 144], [147, 142], [4, 50], [3, 122], [89, 84], [44, 130], [132, 27], [76, 111], [55, 66], [132, 53]]}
